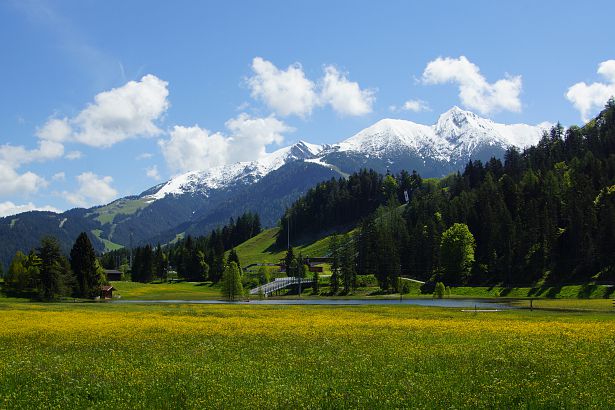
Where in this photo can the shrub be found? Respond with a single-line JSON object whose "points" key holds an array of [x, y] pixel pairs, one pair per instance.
{"points": [[439, 290]]}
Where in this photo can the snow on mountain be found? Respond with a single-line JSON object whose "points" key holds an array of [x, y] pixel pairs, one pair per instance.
{"points": [[389, 135], [239, 173], [456, 135]]}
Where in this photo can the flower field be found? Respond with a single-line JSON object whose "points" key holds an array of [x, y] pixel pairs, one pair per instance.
{"points": [[221, 356]]}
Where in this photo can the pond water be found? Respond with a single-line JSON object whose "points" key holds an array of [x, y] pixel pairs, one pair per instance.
{"points": [[450, 303]]}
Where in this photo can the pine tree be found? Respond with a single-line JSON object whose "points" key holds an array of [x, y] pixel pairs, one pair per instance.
{"points": [[289, 261], [347, 264], [54, 274], [334, 253], [83, 265], [160, 264], [233, 257], [316, 285]]}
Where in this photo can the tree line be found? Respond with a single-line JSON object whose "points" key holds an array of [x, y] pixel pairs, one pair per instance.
{"points": [[545, 214], [192, 258], [46, 274]]}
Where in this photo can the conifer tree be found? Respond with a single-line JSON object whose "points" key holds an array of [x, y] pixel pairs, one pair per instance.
{"points": [[334, 253], [55, 275], [83, 265]]}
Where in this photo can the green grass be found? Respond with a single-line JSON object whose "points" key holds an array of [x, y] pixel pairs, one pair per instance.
{"points": [[166, 291], [109, 246], [597, 305], [261, 248], [107, 213], [192, 356], [587, 291]]}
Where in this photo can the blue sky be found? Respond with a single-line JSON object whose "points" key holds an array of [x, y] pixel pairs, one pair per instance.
{"points": [[102, 99]]}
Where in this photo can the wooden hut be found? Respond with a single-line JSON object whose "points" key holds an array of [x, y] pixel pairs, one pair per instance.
{"points": [[106, 292]]}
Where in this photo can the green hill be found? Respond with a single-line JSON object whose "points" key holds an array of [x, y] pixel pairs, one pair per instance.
{"points": [[262, 249]]}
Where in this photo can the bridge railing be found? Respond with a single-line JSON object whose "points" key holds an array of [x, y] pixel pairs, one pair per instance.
{"points": [[278, 284]]}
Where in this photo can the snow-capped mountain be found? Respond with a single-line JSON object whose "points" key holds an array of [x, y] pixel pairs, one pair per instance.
{"points": [[240, 173], [435, 150]]}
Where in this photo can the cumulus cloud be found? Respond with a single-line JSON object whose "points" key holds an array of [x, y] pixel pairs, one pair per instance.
{"points": [[17, 155], [290, 92], [92, 190], [474, 90], [588, 99], [12, 182], [12, 157], [287, 92], [195, 148], [153, 173], [345, 97], [9, 208], [116, 115], [250, 136]]}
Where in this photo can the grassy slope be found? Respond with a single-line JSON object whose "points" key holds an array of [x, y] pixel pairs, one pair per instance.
{"points": [[107, 213], [120, 356], [109, 246], [261, 248]]}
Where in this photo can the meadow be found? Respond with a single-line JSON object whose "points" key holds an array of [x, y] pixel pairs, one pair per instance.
{"points": [[167, 291], [238, 356]]}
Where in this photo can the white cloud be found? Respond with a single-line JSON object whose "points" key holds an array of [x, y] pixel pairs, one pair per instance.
{"points": [[11, 182], [145, 155], [92, 190], [193, 148], [17, 155], [14, 156], [474, 90], [412, 105], [250, 136], [415, 106], [55, 129], [59, 176], [153, 173], [116, 115], [290, 92], [9, 208], [73, 155], [287, 92], [588, 99], [346, 97]]}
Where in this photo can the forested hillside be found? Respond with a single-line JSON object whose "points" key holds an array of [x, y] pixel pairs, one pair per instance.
{"points": [[547, 213], [193, 258]]}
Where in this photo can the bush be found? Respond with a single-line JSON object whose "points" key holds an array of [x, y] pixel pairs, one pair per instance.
{"points": [[364, 281], [439, 290]]}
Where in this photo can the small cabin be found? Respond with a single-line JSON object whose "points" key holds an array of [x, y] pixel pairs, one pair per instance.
{"points": [[113, 275], [106, 292]]}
